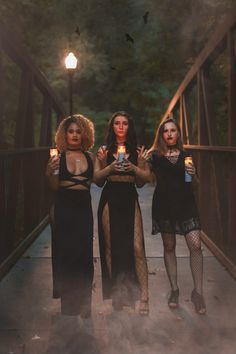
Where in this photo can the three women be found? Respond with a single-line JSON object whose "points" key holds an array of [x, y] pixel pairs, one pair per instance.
{"points": [[122, 251]]}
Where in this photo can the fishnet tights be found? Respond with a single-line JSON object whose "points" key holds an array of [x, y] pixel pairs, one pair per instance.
{"points": [[169, 243], [193, 241], [196, 258], [140, 259]]}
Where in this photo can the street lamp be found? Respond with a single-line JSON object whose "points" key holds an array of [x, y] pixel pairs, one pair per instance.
{"points": [[71, 65]]}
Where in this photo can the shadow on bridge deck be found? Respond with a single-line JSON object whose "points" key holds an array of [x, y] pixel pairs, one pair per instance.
{"points": [[30, 320]]}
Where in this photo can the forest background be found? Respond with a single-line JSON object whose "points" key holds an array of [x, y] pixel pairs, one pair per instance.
{"points": [[133, 54]]}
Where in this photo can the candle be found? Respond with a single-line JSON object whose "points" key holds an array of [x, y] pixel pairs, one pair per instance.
{"points": [[121, 151], [188, 160], [54, 152]]}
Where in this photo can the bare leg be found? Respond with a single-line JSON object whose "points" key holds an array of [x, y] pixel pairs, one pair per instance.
{"points": [[107, 236]]}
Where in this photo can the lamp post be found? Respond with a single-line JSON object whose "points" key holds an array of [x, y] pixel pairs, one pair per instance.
{"points": [[71, 65]]}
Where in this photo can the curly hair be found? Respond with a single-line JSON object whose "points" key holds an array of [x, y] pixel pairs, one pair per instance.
{"points": [[159, 144], [131, 139], [87, 132]]}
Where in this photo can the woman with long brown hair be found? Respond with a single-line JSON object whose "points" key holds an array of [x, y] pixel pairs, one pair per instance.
{"points": [[122, 251]]}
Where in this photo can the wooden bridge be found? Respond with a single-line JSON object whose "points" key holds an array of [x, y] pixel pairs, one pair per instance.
{"points": [[30, 125]]}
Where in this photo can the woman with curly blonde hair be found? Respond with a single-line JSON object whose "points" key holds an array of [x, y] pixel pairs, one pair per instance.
{"points": [[72, 241]]}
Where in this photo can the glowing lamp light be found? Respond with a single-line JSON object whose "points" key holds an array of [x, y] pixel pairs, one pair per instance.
{"points": [[71, 61]]}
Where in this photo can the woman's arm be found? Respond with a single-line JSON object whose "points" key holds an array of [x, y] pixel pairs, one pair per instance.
{"points": [[101, 173], [143, 171], [52, 166]]}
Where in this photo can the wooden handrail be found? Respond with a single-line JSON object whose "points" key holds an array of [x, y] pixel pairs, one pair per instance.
{"points": [[19, 53], [212, 48]]}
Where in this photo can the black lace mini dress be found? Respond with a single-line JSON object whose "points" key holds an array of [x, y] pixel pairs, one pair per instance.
{"points": [[174, 208]]}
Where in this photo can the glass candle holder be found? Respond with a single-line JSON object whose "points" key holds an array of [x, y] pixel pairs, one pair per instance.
{"points": [[188, 160], [121, 151], [54, 152]]}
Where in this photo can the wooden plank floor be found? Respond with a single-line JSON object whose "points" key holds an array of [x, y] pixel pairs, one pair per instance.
{"points": [[30, 320]]}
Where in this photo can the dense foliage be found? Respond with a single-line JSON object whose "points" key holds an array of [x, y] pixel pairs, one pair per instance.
{"points": [[133, 53]]}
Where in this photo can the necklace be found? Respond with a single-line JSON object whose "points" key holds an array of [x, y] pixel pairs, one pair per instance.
{"points": [[69, 149]]}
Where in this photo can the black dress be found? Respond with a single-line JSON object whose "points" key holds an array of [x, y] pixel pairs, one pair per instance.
{"points": [[122, 199], [174, 209], [72, 243]]}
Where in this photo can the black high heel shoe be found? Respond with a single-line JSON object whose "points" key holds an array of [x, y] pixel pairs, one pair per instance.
{"points": [[117, 305], [173, 300], [198, 301]]}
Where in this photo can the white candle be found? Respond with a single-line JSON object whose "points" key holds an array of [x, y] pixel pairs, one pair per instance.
{"points": [[121, 151], [53, 153]]}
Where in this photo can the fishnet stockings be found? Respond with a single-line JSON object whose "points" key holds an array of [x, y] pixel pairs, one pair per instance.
{"points": [[140, 259], [193, 241], [169, 243], [196, 258]]}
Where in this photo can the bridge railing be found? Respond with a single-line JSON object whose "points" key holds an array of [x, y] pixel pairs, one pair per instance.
{"points": [[29, 113], [205, 104]]}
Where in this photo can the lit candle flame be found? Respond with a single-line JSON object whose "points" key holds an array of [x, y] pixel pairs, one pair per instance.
{"points": [[53, 152], [121, 149], [188, 160]]}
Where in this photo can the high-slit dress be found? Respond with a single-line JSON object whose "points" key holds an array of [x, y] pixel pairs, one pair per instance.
{"points": [[121, 282], [72, 242]]}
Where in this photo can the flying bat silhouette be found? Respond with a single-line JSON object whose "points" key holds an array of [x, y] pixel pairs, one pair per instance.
{"points": [[145, 17], [129, 38], [77, 30]]}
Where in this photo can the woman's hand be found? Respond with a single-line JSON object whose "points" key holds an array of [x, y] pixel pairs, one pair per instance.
{"points": [[143, 155], [102, 155], [53, 165], [117, 166], [127, 166], [190, 168]]}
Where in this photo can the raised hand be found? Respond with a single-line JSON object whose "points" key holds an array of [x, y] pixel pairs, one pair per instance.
{"points": [[53, 165], [143, 155], [102, 155]]}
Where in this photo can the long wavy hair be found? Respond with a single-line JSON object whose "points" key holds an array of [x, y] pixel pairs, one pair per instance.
{"points": [[131, 138], [159, 145], [87, 132]]}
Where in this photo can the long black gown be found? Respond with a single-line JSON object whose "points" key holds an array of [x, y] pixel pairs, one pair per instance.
{"points": [[122, 199], [174, 208], [72, 243]]}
